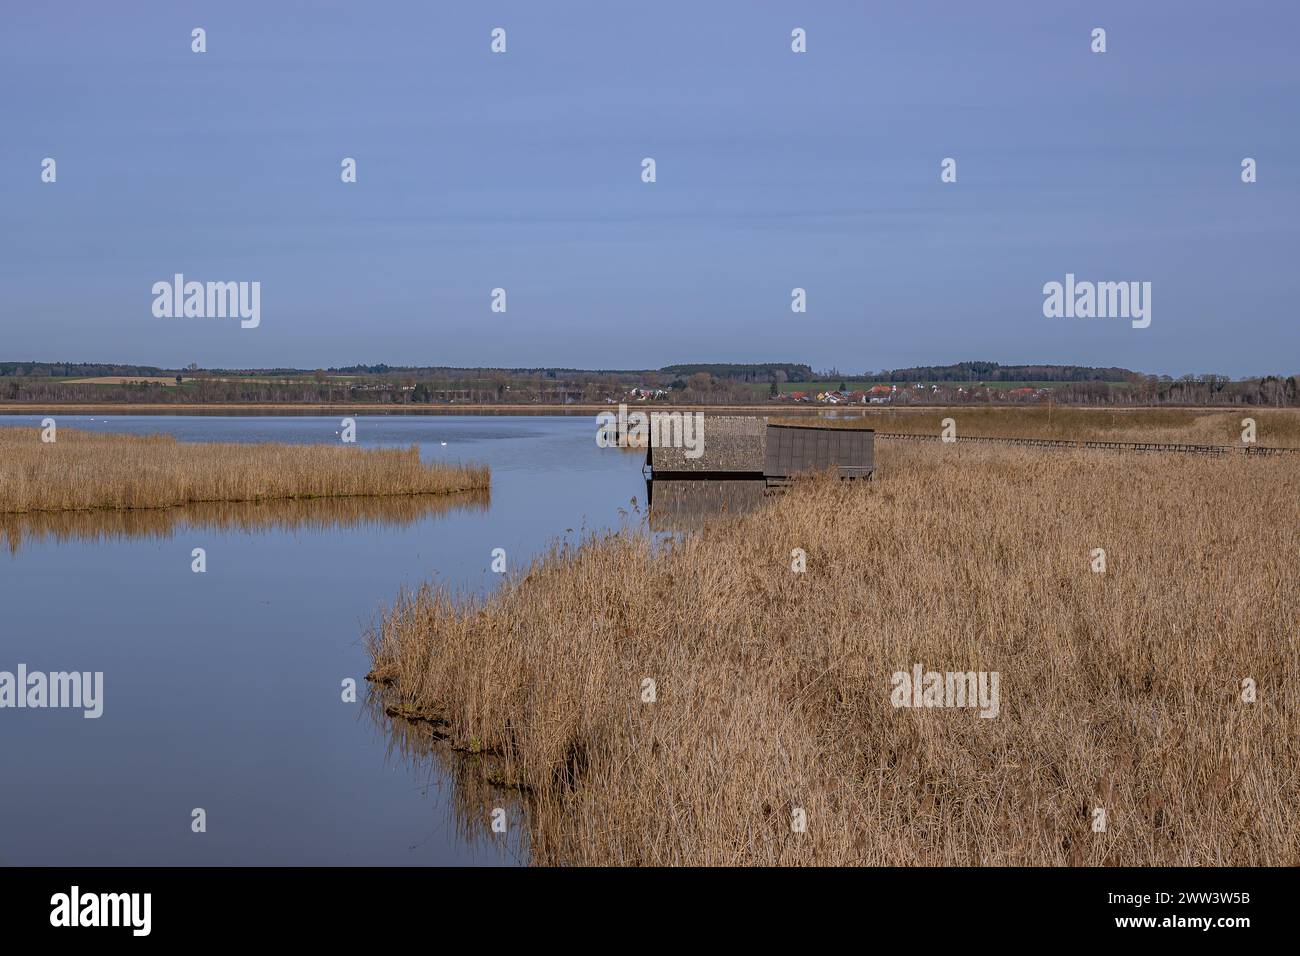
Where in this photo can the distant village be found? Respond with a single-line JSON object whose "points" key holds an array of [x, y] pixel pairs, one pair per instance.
{"points": [[878, 394], [887, 394]]}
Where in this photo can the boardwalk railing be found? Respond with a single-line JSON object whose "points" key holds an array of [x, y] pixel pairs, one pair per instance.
{"points": [[1108, 445]]}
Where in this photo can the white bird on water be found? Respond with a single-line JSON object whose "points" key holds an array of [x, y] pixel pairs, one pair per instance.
{"points": [[444, 444]]}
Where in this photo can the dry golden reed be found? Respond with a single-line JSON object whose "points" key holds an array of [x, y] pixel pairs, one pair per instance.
{"points": [[1119, 691], [85, 470]]}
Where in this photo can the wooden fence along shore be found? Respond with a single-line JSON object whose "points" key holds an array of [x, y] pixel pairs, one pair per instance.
{"points": [[1109, 445]]}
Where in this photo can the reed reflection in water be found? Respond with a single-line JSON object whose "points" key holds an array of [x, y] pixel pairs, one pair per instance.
{"points": [[249, 516], [681, 504], [478, 789]]}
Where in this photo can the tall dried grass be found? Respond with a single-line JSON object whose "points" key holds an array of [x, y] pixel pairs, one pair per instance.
{"points": [[84, 470], [1120, 691]]}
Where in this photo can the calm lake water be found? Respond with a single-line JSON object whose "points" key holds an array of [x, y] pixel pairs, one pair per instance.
{"points": [[222, 690]]}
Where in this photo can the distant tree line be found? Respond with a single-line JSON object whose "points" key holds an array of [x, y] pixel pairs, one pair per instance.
{"points": [[76, 369], [763, 372], [994, 372]]}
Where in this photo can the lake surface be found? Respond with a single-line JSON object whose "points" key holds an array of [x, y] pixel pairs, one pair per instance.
{"points": [[223, 690]]}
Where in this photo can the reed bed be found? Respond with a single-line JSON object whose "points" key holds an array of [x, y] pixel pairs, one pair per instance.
{"points": [[1274, 427], [87, 470], [1119, 691]]}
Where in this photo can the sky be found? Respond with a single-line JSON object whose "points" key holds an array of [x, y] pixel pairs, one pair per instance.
{"points": [[522, 170]]}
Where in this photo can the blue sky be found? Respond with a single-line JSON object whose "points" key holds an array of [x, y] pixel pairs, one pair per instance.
{"points": [[775, 170]]}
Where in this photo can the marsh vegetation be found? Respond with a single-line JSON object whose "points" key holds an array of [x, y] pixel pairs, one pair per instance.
{"points": [[83, 470], [1123, 691]]}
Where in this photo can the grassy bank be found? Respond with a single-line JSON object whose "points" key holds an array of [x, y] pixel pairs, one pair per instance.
{"points": [[87, 470], [1118, 690]]}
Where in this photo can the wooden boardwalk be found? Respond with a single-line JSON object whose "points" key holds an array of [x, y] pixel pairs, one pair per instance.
{"points": [[1182, 448]]}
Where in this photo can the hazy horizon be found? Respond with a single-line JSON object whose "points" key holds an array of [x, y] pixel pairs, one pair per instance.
{"points": [[775, 170]]}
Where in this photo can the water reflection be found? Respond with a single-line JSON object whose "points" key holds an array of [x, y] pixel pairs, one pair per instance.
{"points": [[249, 516], [683, 503], [247, 667], [477, 791]]}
